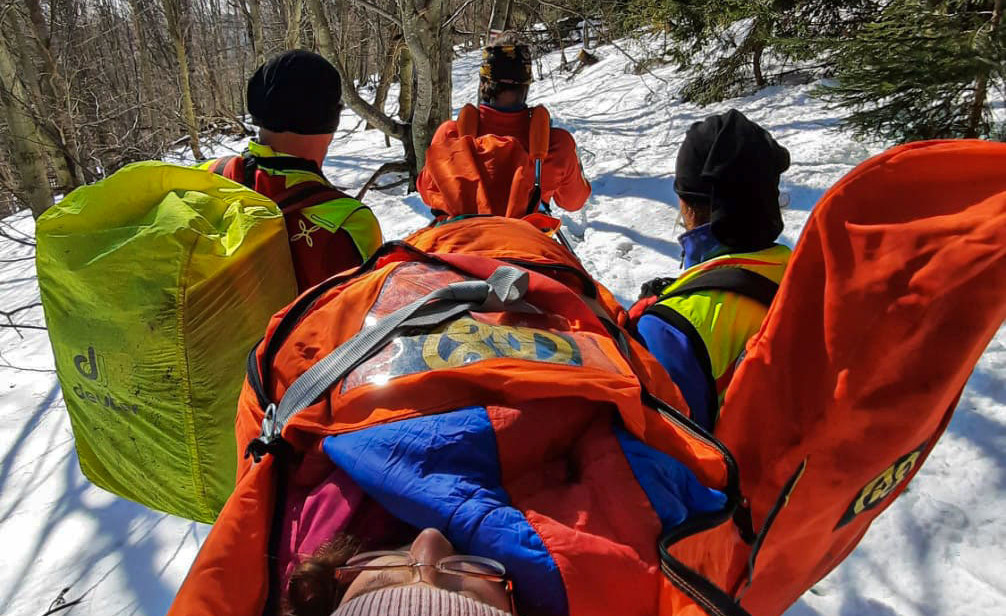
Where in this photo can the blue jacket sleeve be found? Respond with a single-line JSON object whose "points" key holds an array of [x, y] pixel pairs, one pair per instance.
{"points": [[672, 349]]}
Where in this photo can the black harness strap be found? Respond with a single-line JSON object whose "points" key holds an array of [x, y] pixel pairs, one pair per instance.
{"points": [[734, 279], [676, 320], [250, 165], [286, 163]]}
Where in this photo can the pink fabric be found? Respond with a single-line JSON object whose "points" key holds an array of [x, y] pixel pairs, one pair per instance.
{"points": [[313, 518]]}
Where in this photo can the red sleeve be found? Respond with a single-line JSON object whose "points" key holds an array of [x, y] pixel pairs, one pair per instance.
{"points": [[562, 176]]}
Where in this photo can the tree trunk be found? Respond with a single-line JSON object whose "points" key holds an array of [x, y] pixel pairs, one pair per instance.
{"points": [[499, 18], [54, 87], [143, 63], [174, 11], [756, 53], [977, 111], [36, 104], [26, 153], [258, 34], [387, 74], [431, 54], [407, 82], [294, 12], [352, 98]]}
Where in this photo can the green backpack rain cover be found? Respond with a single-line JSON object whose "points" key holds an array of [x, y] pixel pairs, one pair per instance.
{"points": [[156, 282]]}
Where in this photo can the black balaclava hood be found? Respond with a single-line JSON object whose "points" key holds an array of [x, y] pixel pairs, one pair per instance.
{"points": [[732, 164], [296, 92]]}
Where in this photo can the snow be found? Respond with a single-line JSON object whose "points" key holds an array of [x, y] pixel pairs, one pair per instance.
{"points": [[938, 549]]}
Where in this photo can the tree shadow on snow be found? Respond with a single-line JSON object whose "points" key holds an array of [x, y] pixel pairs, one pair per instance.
{"points": [[122, 536]]}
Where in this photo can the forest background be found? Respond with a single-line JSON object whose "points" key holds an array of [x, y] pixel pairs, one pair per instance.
{"points": [[87, 86]]}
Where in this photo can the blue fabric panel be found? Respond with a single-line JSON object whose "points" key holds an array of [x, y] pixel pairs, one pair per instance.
{"points": [[674, 491], [442, 471], [700, 245], [676, 355]]}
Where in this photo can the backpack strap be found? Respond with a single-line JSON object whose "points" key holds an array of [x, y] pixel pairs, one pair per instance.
{"points": [[504, 290], [468, 121], [538, 139], [734, 279], [220, 164], [246, 174]]}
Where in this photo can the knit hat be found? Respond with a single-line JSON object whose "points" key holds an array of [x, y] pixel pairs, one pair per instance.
{"points": [[510, 64], [297, 92], [732, 164], [415, 600]]}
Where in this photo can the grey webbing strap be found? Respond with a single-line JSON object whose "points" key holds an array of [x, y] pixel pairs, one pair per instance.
{"points": [[504, 289]]}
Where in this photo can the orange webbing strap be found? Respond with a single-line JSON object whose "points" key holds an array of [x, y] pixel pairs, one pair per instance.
{"points": [[541, 126], [468, 121]]}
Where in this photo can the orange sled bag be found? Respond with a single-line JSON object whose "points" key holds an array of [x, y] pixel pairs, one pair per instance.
{"points": [[578, 426], [894, 290]]}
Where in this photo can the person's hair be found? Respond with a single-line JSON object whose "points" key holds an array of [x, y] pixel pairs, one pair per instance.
{"points": [[491, 90], [701, 210], [314, 589]]}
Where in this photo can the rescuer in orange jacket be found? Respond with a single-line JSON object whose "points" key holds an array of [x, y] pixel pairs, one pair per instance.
{"points": [[504, 78]]}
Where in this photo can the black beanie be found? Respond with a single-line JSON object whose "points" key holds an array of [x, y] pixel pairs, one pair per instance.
{"points": [[733, 165], [296, 92]]}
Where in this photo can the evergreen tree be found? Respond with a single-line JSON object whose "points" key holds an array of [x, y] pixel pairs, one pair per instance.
{"points": [[921, 70], [744, 32]]}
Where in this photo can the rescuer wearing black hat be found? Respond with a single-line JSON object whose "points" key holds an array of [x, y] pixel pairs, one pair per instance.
{"points": [[504, 79], [295, 99], [727, 180]]}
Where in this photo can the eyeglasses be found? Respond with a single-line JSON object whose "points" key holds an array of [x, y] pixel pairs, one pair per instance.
{"points": [[400, 569]]}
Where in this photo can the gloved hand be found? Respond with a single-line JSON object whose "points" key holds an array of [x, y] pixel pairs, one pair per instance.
{"points": [[654, 287]]}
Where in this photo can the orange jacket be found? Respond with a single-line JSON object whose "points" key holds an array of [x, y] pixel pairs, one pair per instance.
{"points": [[562, 177]]}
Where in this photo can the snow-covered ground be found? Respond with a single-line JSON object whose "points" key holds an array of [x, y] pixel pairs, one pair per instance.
{"points": [[938, 550]]}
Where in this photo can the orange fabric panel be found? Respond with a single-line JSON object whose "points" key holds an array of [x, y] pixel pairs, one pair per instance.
{"points": [[896, 287], [615, 550], [489, 175], [230, 575]]}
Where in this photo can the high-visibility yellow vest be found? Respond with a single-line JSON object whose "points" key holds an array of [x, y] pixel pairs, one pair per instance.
{"points": [[720, 311]]}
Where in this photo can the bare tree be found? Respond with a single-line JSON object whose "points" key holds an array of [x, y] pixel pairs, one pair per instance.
{"points": [[25, 145], [176, 13]]}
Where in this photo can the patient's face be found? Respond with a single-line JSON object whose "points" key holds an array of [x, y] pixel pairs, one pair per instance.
{"points": [[428, 548]]}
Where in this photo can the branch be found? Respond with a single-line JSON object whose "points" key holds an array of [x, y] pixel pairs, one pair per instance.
{"points": [[397, 166], [4, 363], [636, 62], [5, 231], [17, 327], [61, 604], [461, 9], [376, 9], [362, 108]]}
